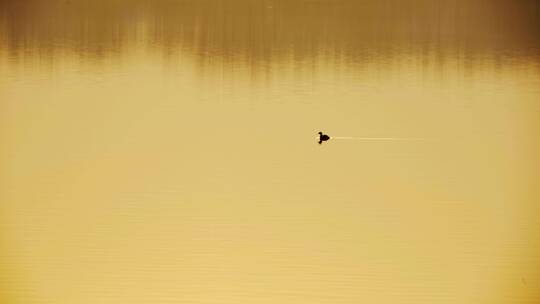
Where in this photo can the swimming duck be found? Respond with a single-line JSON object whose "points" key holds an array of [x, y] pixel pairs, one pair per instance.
{"points": [[323, 137]]}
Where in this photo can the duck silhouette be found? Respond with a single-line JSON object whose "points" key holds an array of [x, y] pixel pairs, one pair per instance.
{"points": [[323, 137]]}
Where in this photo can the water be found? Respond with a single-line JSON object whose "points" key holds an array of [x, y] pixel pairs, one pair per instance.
{"points": [[166, 151]]}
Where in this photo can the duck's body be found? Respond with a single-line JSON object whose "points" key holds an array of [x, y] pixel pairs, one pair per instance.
{"points": [[323, 137]]}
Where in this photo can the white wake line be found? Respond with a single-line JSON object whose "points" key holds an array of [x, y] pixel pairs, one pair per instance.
{"points": [[375, 138]]}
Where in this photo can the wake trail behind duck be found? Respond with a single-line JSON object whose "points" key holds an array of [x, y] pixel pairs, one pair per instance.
{"points": [[377, 138]]}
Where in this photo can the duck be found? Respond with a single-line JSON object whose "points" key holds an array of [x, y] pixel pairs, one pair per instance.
{"points": [[323, 137]]}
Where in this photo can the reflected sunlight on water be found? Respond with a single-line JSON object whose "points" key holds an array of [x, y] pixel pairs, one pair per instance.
{"points": [[166, 151]]}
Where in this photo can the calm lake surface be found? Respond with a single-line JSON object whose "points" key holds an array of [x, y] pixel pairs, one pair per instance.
{"points": [[166, 151]]}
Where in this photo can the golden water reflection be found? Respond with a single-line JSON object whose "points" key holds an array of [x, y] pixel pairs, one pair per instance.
{"points": [[165, 152], [265, 31]]}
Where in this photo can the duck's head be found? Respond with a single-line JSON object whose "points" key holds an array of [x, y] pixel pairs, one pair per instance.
{"points": [[320, 133]]}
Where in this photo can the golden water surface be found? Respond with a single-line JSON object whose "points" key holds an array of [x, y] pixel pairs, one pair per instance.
{"points": [[165, 151]]}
